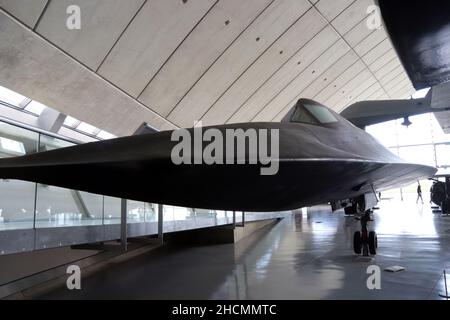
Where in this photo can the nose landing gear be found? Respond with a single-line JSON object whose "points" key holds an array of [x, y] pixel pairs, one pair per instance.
{"points": [[364, 241]]}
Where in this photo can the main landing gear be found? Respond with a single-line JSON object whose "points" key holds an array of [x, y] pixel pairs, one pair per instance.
{"points": [[364, 241]]}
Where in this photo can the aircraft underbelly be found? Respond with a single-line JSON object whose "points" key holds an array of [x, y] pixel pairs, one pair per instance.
{"points": [[312, 169], [298, 183]]}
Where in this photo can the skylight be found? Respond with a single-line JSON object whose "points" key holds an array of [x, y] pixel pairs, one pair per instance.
{"points": [[87, 128], [105, 135], [71, 122], [11, 97], [420, 93], [35, 107], [12, 146], [17, 101]]}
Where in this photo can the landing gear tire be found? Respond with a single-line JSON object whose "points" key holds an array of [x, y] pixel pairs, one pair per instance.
{"points": [[373, 242], [357, 243], [365, 242]]}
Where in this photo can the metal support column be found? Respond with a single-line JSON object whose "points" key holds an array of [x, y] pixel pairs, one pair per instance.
{"points": [[234, 219], [123, 223], [243, 218], [160, 223]]}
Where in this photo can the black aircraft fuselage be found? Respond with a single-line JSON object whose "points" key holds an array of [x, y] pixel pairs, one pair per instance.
{"points": [[322, 157]]}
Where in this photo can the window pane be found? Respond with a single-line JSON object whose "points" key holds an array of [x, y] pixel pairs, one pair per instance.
{"points": [[71, 122], [105, 135], [11, 97], [443, 155], [16, 204], [438, 133], [60, 207], [87, 128], [50, 143], [111, 210], [419, 154], [15, 141], [417, 133], [12, 147], [35, 107], [303, 116], [322, 114], [151, 212], [135, 211], [385, 133], [16, 197], [420, 93]]}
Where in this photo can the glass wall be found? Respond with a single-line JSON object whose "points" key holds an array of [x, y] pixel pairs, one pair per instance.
{"points": [[423, 142], [16, 197], [26, 205], [443, 155], [151, 212], [47, 143], [59, 207], [16, 204], [135, 211]]}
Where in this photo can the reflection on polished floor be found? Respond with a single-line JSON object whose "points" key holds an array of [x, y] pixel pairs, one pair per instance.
{"points": [[306, 256]]}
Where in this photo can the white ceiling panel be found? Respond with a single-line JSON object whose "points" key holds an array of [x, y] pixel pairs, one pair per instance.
{"points": [[387, 68], [376, 95], [405, 93], [400, 79], [193, 58], [237, 59], [354, 93], [348, 88], [101, 25], [172, 62], [340, 81], [399, 75], [285, 75], [327, 77], [291, 46], [332, 8], [358, 33], [351, 16], [374, 88], [399, 86], [371, 41], [150, 39], [383, 60], [314, 70], [26, 11], [378, 51], [319, 84], [55, 79], [391, 75]]}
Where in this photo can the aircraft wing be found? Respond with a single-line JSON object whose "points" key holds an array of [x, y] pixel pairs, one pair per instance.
{"points": [[420, 33]]}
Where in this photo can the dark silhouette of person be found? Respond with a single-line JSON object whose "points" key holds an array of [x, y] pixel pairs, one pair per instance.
{"points": [[419, 193]]}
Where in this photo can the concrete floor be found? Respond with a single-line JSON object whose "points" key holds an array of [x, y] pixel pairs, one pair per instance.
{"points": [[306, 256]]}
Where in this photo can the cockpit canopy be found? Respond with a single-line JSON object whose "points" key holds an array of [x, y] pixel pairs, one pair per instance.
{"points": [[309, 111]]}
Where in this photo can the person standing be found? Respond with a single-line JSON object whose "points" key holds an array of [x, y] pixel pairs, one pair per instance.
{"points": [[419, 193]]}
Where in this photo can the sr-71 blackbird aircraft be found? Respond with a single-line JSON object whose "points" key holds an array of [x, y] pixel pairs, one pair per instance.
{"points": [[320, 156]]}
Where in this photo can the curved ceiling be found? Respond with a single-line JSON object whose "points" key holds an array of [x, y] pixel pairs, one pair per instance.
{"points": [[173, 62]]}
